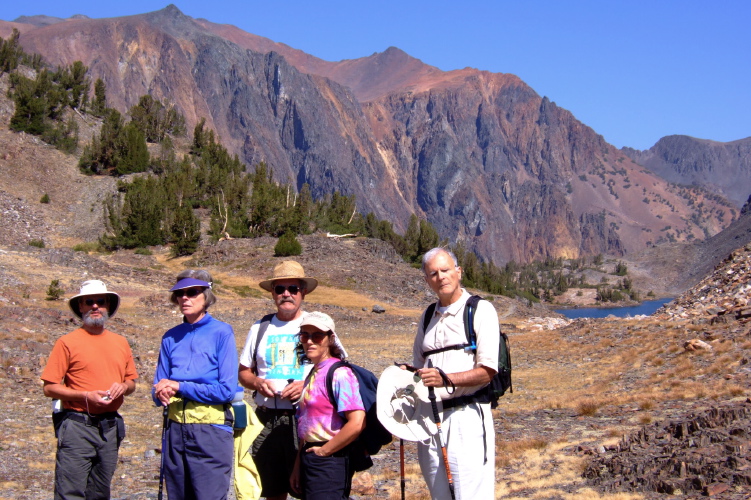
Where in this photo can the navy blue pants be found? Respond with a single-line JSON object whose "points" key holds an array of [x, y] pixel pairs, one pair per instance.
{"points": [[325, 478], [197, 461]]}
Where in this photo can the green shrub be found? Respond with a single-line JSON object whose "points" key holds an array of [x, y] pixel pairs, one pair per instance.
{"points": [[287, 246], [142, 251], [55, 291], [37, 243], [45, 198], [90, 246]]}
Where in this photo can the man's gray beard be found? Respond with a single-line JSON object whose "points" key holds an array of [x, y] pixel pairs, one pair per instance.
{"points": [[96, 322]]}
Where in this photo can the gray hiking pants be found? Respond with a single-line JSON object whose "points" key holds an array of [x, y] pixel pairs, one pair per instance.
{"points": [[86, 459]]}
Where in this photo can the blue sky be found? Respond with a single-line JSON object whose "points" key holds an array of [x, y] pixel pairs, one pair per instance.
{"points": [[633, 70]]}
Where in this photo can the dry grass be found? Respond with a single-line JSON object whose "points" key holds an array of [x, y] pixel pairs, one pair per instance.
{"points": [[547, 473], [646, 404], [508, 451], [645, 419], [587, 408]]}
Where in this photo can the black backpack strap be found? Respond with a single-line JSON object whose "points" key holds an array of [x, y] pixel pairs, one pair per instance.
{"points": [[330, 381], [429, 313], [469, 321], [444, 349], [261, 332]]}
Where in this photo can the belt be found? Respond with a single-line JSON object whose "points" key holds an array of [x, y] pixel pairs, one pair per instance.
{"points": [[105, 419], [275, 411], [462, 401]]}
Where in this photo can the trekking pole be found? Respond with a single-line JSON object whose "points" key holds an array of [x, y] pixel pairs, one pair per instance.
{"points": [[439, 436], [165, 420], [401, 463]]}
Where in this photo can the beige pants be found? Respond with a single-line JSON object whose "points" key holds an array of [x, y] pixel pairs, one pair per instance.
{"points": [[467, 448]]}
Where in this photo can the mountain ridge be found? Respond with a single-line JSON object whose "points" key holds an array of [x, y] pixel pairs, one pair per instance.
{"points": [[481, 155], [722, 167]]}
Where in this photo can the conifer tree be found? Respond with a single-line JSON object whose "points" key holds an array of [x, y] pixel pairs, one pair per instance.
{"points": [[412, 238], [99, 104], [185, 232]]}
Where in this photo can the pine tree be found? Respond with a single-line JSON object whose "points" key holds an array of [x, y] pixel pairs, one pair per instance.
{"points": [[99, 104], [412, 238], [31, 104], [185, 232], [138, 220], [133, 151]]}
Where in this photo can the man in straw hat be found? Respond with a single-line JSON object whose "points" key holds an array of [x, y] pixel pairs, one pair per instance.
{"points": [[466, 434], [270, 367], [90, 370]]}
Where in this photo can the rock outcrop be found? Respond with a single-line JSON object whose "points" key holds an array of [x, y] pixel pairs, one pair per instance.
{"points": [[724, 294], [705, 453]]}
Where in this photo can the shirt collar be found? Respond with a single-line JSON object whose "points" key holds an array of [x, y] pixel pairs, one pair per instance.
{"points": [[457, 306]]}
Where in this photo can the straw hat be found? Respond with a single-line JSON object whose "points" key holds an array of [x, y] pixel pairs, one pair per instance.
{"points": [[289, 270], [94, 287], [403, 406]]}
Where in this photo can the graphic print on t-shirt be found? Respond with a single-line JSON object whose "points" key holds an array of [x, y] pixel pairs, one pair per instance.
{"points": [[281, 358]]}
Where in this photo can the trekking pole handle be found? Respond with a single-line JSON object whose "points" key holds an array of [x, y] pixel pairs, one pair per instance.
{"points": [[433, 405]]}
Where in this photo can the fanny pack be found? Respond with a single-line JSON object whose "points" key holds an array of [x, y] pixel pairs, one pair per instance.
{"points": [[186, 411]]}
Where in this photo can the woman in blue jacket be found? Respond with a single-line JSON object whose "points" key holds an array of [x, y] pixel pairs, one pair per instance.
{"points": [[196, 376]]}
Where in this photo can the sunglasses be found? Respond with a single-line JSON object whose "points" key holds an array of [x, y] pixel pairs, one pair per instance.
{"points": [[91, 302], [316, 337], [293, 289], [189, 292]]}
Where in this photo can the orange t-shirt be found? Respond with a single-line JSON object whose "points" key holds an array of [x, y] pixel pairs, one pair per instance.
{"points": [[86, 362]]}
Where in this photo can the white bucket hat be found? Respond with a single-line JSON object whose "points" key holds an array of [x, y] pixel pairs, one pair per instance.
{"points": [[94, 287], [403, 406]]}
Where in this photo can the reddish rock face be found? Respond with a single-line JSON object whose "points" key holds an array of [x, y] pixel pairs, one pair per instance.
{"points": [[483, 157]]}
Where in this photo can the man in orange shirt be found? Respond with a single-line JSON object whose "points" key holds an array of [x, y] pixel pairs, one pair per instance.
{"points": [[90, 371]]}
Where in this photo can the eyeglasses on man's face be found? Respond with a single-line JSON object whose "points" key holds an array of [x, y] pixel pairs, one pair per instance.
{"points": [[316, 337], [188, 292], [292, 289], [100, 302]]}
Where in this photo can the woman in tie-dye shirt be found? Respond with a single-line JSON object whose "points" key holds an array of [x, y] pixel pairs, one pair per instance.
{"points": [[322, 469]]}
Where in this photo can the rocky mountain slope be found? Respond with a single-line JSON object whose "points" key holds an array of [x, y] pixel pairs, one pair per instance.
{"points": [[723, 168], [672, 268], [481, 155]]}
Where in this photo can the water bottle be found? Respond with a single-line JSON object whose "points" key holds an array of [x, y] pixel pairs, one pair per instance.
{"points": [[238, 406]]}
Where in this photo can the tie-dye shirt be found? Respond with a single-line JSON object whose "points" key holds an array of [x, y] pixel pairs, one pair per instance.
{"points": [[317, 420]]}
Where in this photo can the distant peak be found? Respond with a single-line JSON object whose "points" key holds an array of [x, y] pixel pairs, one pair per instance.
{"points": [[172, 10], [169, 17], [394, 51], [394, 55]]}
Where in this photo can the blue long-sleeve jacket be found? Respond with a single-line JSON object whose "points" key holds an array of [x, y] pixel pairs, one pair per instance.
{"points": [[201, 356]]}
